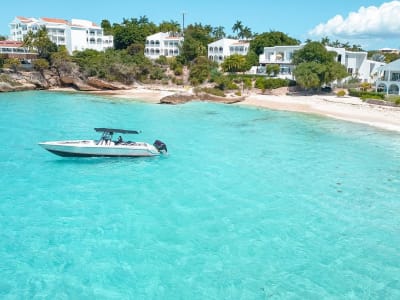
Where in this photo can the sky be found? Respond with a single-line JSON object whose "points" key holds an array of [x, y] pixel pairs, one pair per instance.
{"points": [[373, 24]]}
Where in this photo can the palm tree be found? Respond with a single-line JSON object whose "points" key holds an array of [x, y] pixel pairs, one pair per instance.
{"points": [[169, 26], [245, 33], [218, 32], [336, 44], [325, 41], [143, 20], [237, 27]]}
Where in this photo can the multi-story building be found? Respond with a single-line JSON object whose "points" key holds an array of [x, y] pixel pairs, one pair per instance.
{"points": [[356, 63], [74, 35], [163, 43], [221, 49], [389, 78]]}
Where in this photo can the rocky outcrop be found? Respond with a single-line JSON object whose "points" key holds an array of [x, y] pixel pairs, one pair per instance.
{"points": [[76, 83], [21, 81], [33, 80], [104, 85], [179, 98]]}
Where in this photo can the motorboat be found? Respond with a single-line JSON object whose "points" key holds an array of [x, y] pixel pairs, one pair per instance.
{"points": [[106, 146]]}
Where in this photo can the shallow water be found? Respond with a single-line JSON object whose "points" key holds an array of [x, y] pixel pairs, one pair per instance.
{"points": [[248, 204]]}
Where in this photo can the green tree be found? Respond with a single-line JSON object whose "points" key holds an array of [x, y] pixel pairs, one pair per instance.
{"points": [[245, 33], [307, 75], [61, 60], [389, 57], [235, 63], [12, 63], [107, 28], [2, 38], [325, 41], [316, 66], [132, 31], [252, 58], [41, 42], [313, 52], [197, 37], [273, 69], [169, 26], [136, 48], [237, 27], [2, 60], [41, 64], [218, 32], [200, 70], [270, 39]]}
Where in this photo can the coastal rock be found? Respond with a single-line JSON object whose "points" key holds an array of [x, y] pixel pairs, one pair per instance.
{"points": [[104, 85], [76, 83], [6, 87], [179, 98]]}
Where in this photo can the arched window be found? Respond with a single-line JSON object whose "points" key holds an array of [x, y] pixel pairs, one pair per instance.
{"points": [[221, 49], [381, 88], [215, 49], [211, 49]]}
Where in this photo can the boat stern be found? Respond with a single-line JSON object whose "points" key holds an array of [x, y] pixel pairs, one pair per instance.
{"points": [[160, 146]]}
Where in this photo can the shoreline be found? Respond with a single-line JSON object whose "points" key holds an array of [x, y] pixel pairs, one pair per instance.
{"points": [[345, 108]]}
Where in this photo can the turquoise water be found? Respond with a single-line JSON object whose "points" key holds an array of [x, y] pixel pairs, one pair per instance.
{"points": [[249, 204]]}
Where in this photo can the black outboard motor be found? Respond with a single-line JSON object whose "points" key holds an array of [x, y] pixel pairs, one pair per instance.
{"points": [[161, 147]]}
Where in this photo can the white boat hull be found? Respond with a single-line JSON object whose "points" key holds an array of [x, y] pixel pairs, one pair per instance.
{"points": [[91, 148]]}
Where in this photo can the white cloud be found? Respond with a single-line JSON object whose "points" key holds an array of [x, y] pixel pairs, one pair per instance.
{"points": [[366, 23]]}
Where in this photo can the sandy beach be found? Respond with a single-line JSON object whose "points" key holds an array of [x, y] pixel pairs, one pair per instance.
{"points": [[344, 108]]}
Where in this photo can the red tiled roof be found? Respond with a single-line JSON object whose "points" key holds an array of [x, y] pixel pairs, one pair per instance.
{"points": [[24, 20], [54, 20], [11, 44]]}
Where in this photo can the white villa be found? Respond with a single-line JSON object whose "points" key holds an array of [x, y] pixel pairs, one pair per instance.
{"points": [[356, 63], [163, 43], [389, 78], [74, 35], [221, 49]]}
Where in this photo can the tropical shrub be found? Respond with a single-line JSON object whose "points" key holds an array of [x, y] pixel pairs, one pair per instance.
{"points": [[212, 91], [41, 64], [272, 83], [366, 95], [341, 93]]}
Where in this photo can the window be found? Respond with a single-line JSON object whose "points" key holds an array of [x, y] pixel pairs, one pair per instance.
{"points": [[395, 76]]}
